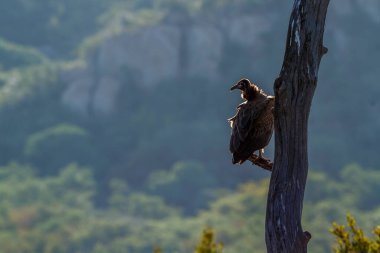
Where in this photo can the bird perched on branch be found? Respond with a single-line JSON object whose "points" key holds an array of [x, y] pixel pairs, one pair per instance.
{"points": [[252, 126]]}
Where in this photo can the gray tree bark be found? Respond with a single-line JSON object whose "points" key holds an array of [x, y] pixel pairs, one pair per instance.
{"points": [[294, 90]]}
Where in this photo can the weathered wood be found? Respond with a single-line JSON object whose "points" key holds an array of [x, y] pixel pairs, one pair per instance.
{"points": [[266, 164], [294, 90]]}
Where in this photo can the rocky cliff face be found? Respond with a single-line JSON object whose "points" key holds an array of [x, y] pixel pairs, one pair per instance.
{"points": [[151, 55], [195, 48]]}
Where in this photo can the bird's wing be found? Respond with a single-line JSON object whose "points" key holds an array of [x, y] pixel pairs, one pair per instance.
{"points": [[244, 121]]}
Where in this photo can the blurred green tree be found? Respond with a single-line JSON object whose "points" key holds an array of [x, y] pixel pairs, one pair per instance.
{"points": [[183, 179], [52, 148]]}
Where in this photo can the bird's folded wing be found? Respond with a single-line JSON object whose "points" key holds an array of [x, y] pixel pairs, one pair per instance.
{"points": [[247, 117], [244, 122]]}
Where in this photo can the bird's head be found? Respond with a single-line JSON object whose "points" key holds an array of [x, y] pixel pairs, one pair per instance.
{"points": [[242, 85], [248, 90]]}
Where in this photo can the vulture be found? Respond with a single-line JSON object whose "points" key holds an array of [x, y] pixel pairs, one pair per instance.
{"points": [[252, 126]]}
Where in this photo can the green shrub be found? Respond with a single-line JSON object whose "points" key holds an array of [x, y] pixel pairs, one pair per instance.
{"points": [[207, 243], [353, 239]]}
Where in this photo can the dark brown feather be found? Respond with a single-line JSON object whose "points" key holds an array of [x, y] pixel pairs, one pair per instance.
{"points": [[252, 127]]}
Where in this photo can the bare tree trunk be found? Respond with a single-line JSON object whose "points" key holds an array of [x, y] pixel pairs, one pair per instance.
{"points": [[294, 90]]}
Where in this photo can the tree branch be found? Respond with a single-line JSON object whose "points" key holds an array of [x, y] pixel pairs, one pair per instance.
{"points": [[261, 162]]}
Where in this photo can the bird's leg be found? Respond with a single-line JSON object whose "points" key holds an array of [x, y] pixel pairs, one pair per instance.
{"points": [[261, 152], [261, 161]]}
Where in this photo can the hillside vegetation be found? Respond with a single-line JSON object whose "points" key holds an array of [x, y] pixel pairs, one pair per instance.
{"points": [[113, 123]]}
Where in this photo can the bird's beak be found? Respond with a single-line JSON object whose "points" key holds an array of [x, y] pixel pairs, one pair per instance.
{"points": [[236, 86]]}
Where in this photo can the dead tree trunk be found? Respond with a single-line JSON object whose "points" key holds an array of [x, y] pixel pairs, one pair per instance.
{"points": [[294, 90]]}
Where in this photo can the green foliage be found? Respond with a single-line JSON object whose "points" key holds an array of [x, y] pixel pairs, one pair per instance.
{"points": [[38, 138], [29, 102], [353, 239], [147, 207], [139, 205], [25, 83], [57, 213], [41, 214], [328, 199], [157, 250], [157, 168], [207, 244], [366, 184], [62, 143], [183, 178], [12, 55]]}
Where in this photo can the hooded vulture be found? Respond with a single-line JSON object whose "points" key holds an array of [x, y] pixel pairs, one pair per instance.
{"points": [[252, 126]]}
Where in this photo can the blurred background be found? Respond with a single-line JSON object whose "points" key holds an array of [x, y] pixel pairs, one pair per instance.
{"points": [[113, 123]]}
